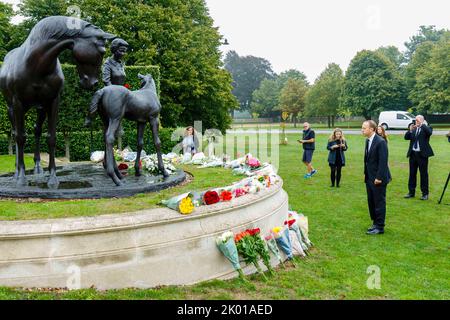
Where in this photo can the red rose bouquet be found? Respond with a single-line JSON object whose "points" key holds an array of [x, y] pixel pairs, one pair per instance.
{"points": [[226, 195], [211, 197]]}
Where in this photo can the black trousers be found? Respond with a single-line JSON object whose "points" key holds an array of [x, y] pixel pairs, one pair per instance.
{"points": [[416, 161], [376, 199], [335, 174]]}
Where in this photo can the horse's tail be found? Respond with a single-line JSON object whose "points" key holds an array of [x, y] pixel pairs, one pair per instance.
{"points": [[98, 95]]}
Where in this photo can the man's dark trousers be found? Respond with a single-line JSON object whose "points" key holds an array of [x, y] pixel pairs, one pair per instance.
{"points": [[376, 198], [416, 161]]}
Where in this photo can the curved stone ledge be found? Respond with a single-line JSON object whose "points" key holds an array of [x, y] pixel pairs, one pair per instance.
{"points": [[140, 249]]}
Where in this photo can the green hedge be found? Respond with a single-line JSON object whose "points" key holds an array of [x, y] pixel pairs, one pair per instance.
{"points": [[80, 143], [72, 112]]}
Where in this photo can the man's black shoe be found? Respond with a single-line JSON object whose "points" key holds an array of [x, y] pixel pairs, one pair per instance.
{"points": [[375, 231], [372, 227], [409, 195], [424, 197]]}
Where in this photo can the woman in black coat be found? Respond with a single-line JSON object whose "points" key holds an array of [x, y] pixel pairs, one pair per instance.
{"points": [[336, 158]]}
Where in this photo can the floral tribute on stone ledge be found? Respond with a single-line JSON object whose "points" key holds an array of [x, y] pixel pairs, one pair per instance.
{"points": [[252, 247]]}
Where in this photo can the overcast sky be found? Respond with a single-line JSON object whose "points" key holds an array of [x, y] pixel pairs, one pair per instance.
{"points": [[307, 35]]}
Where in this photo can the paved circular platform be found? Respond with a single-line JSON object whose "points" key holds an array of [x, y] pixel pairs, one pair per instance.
{"points": [[85, 181]]}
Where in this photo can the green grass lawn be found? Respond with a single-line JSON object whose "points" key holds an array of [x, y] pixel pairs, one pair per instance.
{"points": [[413, 254]]}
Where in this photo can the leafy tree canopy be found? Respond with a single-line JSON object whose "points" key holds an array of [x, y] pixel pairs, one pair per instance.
{"points": [[247, 73]]}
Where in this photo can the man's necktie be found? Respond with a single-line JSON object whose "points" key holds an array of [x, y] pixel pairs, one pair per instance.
{"points": [[416, 143], [367, 147]]}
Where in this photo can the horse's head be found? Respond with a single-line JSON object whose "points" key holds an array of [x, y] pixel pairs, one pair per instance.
{"points": [[147, 81], [88, 51]]}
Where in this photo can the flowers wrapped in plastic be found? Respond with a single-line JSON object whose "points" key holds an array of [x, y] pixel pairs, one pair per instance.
{"points": [[182, 203], [283, 240], [302, 222], [247, 248], [272, 245], [291, 223], [226, 245]]}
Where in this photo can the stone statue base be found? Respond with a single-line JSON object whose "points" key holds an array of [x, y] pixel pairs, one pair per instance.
{"points": [[85, 181]]}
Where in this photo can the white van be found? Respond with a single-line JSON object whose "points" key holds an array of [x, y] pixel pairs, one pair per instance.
{"points": [[395, 119]]}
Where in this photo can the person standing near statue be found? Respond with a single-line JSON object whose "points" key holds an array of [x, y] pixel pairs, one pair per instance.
{"points": [[418, 153], [113, 71]]}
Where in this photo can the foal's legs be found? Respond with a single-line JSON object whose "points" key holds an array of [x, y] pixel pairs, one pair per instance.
{"points": [[13, 130], [37, 141], [154, 124], [109, 154], [140, 145], [52, 118]]}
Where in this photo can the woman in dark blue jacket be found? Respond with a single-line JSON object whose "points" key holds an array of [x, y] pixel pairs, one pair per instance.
{"points": [[336, 158]]}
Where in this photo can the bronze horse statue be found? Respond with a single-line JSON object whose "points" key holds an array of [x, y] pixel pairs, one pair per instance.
{"points": [[31, 76], [114, 103]]}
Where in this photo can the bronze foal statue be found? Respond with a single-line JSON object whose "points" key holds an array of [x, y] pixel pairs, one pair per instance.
{"points": [[113, 103]]}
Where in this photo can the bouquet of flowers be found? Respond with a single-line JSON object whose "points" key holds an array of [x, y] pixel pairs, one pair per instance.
{"points": [[226, 245], [297, 248], [291, 223], [252, 162], [302, 222], [211, 197], [246, 247], [238, 192], [272, 245], [260, 247], [226, 195], [283, 240], [182, 203], [150, 163]]}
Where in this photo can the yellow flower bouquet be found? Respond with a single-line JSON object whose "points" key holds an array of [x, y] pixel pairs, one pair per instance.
{"points": [[182, 203]]}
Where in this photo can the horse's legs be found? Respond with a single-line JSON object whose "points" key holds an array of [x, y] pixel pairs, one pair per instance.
{"points": [[154, 124], [19, 124], [52, 110], [37, 138], [13, 131], [109, 154], [140, 145]]}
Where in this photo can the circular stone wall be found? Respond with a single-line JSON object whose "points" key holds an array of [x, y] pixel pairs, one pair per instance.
{"points": [[141, 249]]}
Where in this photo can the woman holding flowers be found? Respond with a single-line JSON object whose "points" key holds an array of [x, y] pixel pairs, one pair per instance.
{"points": [[336, 158]]}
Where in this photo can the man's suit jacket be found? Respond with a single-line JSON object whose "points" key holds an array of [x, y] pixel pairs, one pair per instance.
{"points": [[424, 141], [376, 162]]}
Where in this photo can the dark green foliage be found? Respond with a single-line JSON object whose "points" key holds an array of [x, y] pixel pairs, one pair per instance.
{"points": [[81, 147]]}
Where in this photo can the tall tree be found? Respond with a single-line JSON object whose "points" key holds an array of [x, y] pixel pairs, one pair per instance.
{"points": [[247, 73], [292, 98], [372, 84], [324, 96], [265, 99], [176, 35], [393, 54], [6, 12], [426, 33], [431, 92]]}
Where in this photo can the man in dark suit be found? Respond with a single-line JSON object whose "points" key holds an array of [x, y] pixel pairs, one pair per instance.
{"points": [[418, 152], [376, 176]]}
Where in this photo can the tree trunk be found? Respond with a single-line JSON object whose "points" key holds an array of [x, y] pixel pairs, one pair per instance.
{"points": [[295, 120], [10, 145], [332, 121], [328, 122], [67, 146]]}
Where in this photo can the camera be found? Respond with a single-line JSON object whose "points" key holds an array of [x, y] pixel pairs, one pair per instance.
{"points": [[414, 122]]}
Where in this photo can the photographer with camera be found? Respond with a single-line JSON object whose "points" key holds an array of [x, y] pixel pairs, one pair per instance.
{"points": [[418, 152]]}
